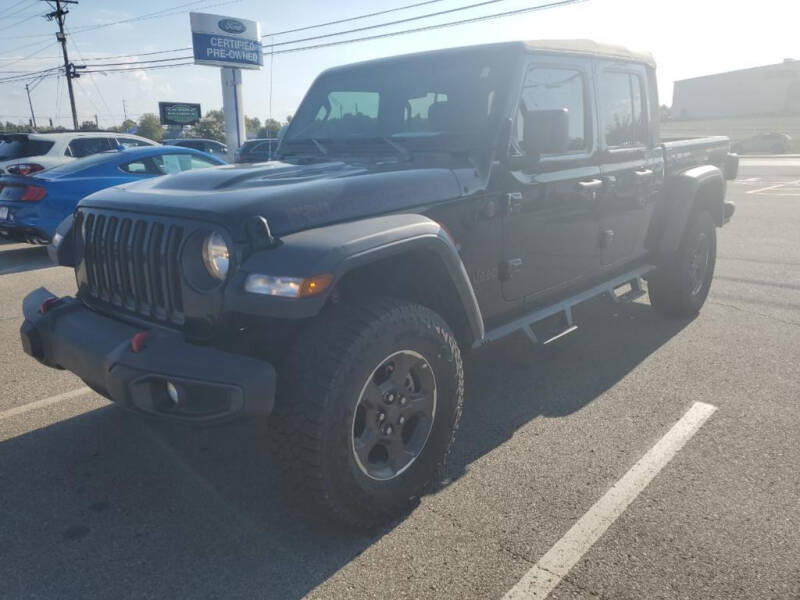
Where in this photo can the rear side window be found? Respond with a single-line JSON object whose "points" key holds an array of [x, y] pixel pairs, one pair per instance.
{"points": [[80, 147], [131, 143], [24, 148], [556, 89], [143, 166], [167, 164], [622, 109]]}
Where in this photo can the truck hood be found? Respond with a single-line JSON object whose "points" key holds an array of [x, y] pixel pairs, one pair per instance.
{"points": [[291, 197]]}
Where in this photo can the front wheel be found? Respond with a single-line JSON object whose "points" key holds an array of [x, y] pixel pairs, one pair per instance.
{"points": [[370, 400], [681, 284]]}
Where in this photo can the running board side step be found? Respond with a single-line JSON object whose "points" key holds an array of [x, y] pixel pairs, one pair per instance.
{"points": [[526, 322]]}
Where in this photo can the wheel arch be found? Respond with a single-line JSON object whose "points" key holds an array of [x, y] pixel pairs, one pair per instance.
{"points": [[421, 274], [408, 256], [700, 188]]}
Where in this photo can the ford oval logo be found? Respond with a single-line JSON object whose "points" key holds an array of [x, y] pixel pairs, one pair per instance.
{"points": [[231, 26]]}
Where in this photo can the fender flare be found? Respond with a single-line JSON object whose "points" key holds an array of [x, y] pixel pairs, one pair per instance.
{"points": [[339, 249], [682, 193]]}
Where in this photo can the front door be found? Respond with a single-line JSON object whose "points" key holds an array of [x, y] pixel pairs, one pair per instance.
{"points": [[551, 231], [630, 162]]}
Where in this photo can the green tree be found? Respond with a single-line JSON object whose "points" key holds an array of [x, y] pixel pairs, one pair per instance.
{"points": [[150, 127], [88, 126], [252, 125], [270, 129], [211, 127]]}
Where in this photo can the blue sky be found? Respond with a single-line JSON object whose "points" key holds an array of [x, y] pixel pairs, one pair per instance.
{"points": [[687, 37]]}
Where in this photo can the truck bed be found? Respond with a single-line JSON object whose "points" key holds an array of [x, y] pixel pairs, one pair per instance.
{"points": [[684, 153]]}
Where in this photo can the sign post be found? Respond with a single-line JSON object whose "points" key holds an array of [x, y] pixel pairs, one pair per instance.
{"points": [[232, 44]]}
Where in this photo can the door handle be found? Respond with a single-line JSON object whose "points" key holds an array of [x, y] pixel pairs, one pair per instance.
{"points": [[591, 185], [644, 173]]}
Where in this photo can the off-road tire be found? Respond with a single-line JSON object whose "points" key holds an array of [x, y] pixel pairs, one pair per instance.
{"points": [[319, 388], [671, 287]]}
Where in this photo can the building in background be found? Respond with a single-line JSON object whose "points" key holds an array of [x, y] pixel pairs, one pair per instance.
{"points": [[772, 90]]}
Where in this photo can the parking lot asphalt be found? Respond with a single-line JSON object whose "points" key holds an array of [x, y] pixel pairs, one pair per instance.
{"points": [[97, 503]]}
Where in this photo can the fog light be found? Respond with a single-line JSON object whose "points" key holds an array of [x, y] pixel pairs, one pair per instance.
{"points": [[172, 392]]}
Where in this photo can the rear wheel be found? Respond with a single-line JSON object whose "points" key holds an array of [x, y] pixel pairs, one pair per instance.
{"points": [[369, 404], [681, 284]]}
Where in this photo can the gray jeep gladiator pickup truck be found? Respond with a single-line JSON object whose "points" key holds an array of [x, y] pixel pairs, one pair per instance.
{"points": [[419, 206]]}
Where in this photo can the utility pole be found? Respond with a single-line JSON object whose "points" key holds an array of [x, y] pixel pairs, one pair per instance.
{"points": [[124, 111], [69, 69], [33, 116], [96, 122]]}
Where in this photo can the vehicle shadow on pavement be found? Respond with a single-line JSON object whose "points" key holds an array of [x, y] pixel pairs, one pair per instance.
{"points": [[17, 258], [513, 382], [107, 504]]}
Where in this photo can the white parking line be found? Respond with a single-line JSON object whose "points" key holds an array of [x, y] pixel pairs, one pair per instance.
{"points": [[773, 187], [546, 574], [18, 410]]}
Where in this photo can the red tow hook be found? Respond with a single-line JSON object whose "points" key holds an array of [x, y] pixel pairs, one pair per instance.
{"points": [[138, 340], [47, 304]]}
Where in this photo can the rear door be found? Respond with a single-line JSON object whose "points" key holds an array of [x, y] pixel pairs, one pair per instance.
{"points": [[631, 163], [550, 235]]}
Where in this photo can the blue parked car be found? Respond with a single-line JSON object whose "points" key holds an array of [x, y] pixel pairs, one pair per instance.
{"points": [[32, 207]]}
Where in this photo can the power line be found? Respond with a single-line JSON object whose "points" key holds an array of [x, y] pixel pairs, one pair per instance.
{"points": [[164, 12], [97, 68], [305, 28], [20, 22], [32, 54], [94, 83], [277, 33], [471, 20], [350, 19], [15, 13], [327, 35]]}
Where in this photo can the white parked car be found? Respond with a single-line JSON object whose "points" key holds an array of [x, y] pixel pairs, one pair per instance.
{"points": [[26, 153]]}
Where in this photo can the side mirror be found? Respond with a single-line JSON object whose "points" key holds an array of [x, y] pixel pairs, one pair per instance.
{"points": [[546, 132]]}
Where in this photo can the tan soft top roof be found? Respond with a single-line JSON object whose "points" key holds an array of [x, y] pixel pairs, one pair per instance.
{"points": [[590, 47]]}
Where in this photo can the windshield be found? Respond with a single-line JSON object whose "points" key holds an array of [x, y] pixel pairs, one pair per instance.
{"points": [[23, 148], [422, 101]]}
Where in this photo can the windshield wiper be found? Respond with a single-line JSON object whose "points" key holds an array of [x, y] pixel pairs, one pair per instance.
{"points": [[404, 152], [320, 147], [289, 143]]}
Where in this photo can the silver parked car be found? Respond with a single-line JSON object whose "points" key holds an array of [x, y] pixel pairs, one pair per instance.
{"points": [[774, 143]]}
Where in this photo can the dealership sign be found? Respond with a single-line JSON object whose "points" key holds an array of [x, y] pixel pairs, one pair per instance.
{"points": [[226, 42], [178, 113]]}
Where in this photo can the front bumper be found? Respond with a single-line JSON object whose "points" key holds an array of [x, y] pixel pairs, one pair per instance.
{"points": [[728, 208], [213, 385]]}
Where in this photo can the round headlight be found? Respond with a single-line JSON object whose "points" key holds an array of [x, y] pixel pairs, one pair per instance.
{"points": [[216, 256]]}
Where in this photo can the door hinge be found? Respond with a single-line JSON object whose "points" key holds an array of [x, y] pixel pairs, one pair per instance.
{"points": [[606, 238], [508, 267], [513, 202]]}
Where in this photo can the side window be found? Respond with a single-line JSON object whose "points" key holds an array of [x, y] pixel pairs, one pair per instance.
{"points": [[131, 143], [80, 147], [197, 162], [548, 89], [135, 167], [622, 109], [168, 164]]}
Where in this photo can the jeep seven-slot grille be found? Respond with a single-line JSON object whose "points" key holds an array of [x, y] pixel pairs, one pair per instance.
{"points": [[132, 263]]}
